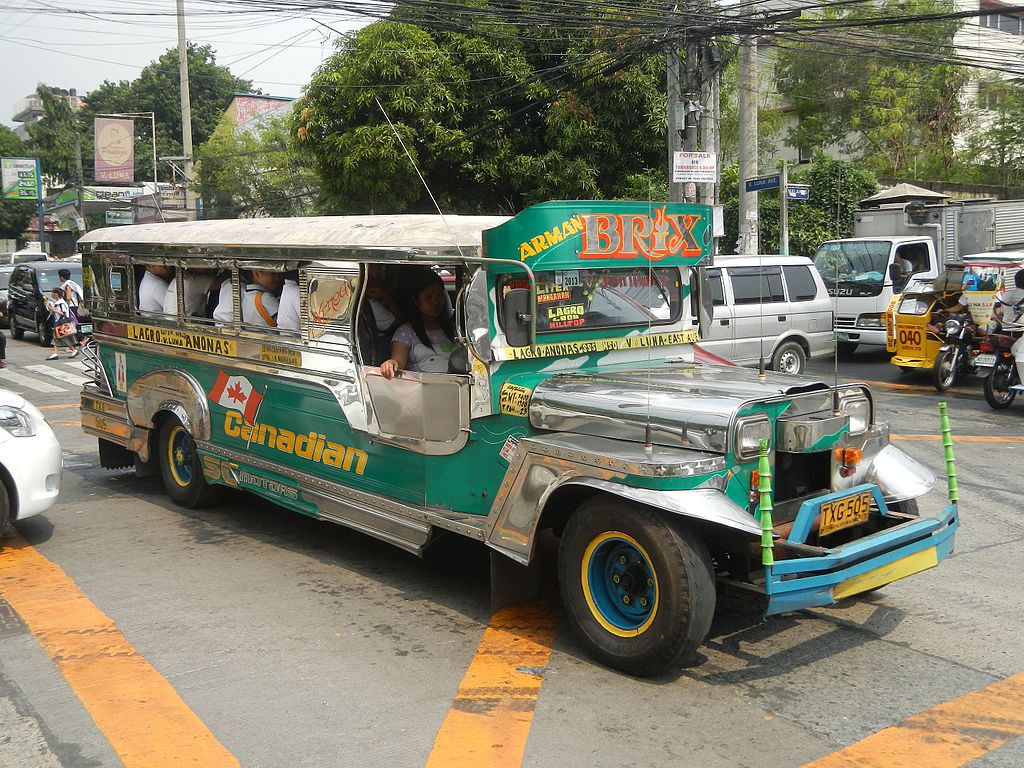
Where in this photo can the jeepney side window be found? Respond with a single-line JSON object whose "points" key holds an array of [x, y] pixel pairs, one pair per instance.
{"points": [[330, 296], [151, 278], [94, 284], [120, 284], [194, 293]]}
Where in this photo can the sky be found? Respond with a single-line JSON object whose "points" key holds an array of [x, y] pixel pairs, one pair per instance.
{"points": [[80, 43]]}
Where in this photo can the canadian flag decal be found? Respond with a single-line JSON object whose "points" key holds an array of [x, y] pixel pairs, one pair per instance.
{"points": [[237, 394]]}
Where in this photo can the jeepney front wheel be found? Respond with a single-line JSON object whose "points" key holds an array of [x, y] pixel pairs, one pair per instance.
{"points": [[180, 468], [639, 590]]}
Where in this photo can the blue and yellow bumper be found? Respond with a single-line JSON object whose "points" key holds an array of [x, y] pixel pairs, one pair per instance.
{"points": [[858, 566]]}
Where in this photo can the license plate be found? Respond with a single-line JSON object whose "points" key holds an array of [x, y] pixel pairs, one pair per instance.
{"points": [[842, 336], [844, 513], [985, 361]]}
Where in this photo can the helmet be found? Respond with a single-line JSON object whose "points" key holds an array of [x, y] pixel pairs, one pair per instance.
{"points": [[1018, 278]]}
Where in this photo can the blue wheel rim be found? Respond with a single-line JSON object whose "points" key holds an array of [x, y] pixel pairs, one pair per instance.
{"points": [[620, 584], [180, 453]]}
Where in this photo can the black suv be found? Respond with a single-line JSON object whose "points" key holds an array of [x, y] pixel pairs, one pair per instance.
{"points": [[30, 283]]}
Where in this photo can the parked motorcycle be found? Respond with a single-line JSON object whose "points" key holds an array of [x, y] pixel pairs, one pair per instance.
{"points": [[955, 358], [1002, 383]]}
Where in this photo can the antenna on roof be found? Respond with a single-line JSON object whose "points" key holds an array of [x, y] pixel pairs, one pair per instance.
{"points": [[423, 181]]}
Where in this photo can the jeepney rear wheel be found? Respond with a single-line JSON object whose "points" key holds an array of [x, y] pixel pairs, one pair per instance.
{"points": [[180, 468], [638, 589]]}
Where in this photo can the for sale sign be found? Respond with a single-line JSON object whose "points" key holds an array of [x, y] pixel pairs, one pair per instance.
{"points": [[22, 179], [699, 167]]}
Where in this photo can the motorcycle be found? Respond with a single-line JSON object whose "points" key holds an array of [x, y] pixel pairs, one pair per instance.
{"points": [[956, 356], [1002, 383]]}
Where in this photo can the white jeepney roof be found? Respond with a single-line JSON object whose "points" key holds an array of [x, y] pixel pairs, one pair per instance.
{"points": [[422, 233]]}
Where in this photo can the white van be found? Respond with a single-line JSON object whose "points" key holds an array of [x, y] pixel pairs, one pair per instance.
{"points": [[18, 257], [775, 307]]}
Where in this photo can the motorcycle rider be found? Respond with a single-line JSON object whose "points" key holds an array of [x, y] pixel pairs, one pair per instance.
{"points": [[1008, 309]]}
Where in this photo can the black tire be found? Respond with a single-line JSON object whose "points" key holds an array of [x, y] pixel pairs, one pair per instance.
{"points": [[846, 348], [789, 358], [180, 467], [44, 333], [997, 386], [943, 371], [16, 332], [5, 509], [638, 590]]}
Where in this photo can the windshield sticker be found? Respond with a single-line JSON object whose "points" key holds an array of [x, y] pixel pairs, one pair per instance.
{"points": [[566, 316], [595, 346], [508, 450], [514, 400]]}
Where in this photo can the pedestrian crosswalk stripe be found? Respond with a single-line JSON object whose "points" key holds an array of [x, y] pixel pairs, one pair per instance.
{"points": [[57, 373], [28, 381]]}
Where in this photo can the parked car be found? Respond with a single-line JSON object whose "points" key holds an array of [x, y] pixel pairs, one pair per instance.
{"points": [[29, 284], [30, 460], [771, 307], [20, 257], [5, 278]]}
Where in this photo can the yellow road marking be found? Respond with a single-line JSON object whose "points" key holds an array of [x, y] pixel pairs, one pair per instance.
{"points": [[961, 438], [61, 407], [948, 735], [491, 716], [914, 387], [141, 715], [66, 423]]}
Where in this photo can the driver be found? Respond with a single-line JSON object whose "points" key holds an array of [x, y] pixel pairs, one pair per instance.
{"points": [[1009, 309]]}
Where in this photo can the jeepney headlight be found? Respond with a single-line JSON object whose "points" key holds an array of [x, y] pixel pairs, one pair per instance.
{"points": [[16, 421], [858, 409], [750, 431]]}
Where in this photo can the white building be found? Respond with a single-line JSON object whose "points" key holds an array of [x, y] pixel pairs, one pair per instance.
{"points": [[30, 109]]}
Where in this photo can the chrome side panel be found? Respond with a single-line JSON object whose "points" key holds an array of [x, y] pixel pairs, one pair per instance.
{"points": [[543, 464], [170, 389], [479, 337], [423, 412]]}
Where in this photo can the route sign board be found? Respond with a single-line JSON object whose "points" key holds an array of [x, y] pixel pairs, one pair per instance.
{"points": [[759, 183]]}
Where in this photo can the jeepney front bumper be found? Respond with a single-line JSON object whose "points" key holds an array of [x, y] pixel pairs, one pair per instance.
{"points": [[861, 565]]}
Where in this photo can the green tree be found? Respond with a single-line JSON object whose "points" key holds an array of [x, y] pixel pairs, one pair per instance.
{"points": [[996, 151], [53, 138], [491, 125], [14, 214], [896, 107], [837, 187], [254, 171]]}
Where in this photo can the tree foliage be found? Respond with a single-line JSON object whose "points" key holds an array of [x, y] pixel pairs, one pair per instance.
{"points": [[895, 108], [492, 126], [253, 171], [14, 214], [837, 187], [996, 151], [156, 90]]}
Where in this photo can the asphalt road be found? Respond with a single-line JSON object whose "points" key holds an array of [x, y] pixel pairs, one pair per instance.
{"points": [[295, 643]]}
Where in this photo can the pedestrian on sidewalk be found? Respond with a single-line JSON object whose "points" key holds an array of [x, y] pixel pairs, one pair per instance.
{"points": [[64, 329]]}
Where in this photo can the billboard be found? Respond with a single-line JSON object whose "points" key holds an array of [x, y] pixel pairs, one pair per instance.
{"points": [[115, 150], [21, 178]]}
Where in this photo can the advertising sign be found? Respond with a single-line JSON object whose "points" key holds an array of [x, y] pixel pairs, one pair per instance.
{"points": [[119, 217], [115, 150], [21, 178], [699, 167]]}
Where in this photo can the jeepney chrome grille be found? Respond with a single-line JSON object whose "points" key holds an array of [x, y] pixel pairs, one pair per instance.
{"points": [[91, 361]]}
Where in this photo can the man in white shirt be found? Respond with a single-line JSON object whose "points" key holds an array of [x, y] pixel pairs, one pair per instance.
{"points": [[288, 313], [1009, 309], [153, 288], [197, 285], [259, 302], [224, 312]]}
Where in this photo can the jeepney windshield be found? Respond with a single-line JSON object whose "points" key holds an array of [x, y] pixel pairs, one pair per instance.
{"points": [[858, 266], [589, 299]]}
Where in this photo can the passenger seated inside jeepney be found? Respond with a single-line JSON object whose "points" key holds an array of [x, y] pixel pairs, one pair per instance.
{"points": [[288, 313], [260, 302], [381, 314], [153, 287], [426, 343], [223, 308], [198, 283]]}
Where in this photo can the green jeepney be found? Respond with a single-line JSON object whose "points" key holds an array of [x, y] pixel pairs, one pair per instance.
{"points": [[575, 403]]}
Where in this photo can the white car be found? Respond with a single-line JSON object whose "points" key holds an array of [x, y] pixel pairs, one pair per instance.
{"points": [[30, 460]]}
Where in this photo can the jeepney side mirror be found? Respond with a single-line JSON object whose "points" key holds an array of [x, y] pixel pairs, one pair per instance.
{"points": [[895, 273], [516, 317], [705, 303]]}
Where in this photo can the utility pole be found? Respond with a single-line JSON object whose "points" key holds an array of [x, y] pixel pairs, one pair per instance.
{"points": [[675, 192], [80, 182], [783, 211], [186, 113], [748, 224], [710, 136]]}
